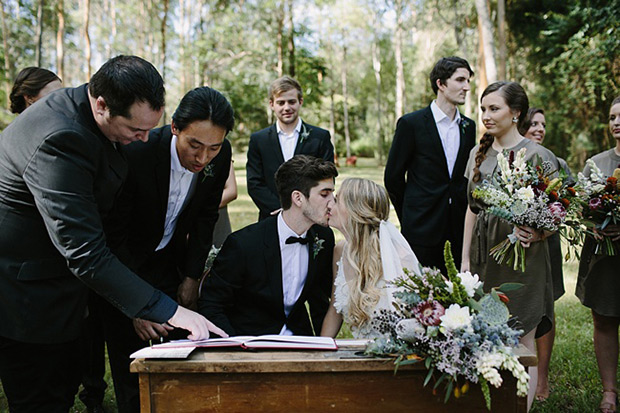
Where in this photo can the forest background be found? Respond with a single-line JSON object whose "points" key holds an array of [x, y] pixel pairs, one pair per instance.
{"points": [[362, 63]]}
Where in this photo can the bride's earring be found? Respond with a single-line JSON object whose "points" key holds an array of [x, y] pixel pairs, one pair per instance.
{"points": [[515, 119]]}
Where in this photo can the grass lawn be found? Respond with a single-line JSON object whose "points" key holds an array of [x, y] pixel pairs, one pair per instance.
{"points": [[575, 384]]}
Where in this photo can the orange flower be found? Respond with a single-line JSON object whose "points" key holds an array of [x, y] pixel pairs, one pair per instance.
{"points": [[553, 196], [565, 202], [503, 297], [571, 191]]}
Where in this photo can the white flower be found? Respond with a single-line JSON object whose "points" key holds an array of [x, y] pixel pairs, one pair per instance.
{"points": [[470, 282], [455, 317], [409, 329], [525, 194], [449, 286]]}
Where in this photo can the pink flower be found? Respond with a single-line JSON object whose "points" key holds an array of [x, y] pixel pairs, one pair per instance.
{"points": [[595, 203], [558, 211], [428, 312]]}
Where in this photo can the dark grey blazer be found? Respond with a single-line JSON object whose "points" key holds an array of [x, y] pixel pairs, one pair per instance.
{"points": [[59, 176], [426, 198], [243, 294], [265, 157]]}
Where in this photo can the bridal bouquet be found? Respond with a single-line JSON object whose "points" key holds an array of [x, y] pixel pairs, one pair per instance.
{"points": [[525, 195], [600, 199], [460, 333]]}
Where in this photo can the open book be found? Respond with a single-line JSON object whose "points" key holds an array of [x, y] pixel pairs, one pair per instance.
{"points": [[182, 348]]}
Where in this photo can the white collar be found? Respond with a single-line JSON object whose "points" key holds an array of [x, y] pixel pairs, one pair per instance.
{"points": [[284, 231], [439, 116], [175, 163], [297, 127]]}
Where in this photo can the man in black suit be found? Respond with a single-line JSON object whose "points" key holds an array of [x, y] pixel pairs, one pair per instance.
{"points": [[424, 174], [162, 224], [60, 171], [287, 137], [266, 272]]}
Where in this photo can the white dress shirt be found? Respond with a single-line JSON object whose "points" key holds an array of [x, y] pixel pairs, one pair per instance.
{"points": [[181, 183], [294, 258], [449, 134], [288, 142]]}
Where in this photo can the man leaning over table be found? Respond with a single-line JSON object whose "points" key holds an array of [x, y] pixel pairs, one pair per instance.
{"points": [[61, 167]]}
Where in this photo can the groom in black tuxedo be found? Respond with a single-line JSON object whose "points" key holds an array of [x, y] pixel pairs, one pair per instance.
{"points": [[162, 224], [266, 272], [272, 146], [424, 174]]}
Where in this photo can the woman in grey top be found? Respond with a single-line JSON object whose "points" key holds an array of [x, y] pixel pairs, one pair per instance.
{"points": [[504, 105], [598, 283]]}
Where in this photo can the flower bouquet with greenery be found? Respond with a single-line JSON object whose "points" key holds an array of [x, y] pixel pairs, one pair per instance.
{"points": [[600, 202], [525, 195], [460, 333]]}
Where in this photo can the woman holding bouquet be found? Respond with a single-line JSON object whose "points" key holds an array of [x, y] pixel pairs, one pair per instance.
{"points": [[534, 128], [373, 252], [598, 282], [504, 107]]}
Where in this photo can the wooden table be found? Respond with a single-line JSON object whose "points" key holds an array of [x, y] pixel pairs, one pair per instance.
{"points": [[296, 381]]}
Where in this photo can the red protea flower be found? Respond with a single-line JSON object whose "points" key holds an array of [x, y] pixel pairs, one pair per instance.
{"points": [[428, 313]]}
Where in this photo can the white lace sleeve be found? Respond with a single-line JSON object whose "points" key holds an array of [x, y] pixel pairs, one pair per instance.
{"points": [[396, 253]]}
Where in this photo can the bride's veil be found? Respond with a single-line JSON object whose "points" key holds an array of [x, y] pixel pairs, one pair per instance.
{"points": [[396, 253]]}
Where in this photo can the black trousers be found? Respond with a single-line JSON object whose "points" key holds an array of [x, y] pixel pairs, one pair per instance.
{"points": [[39, 377], [92, 346], [432, 255], [160, 271]]}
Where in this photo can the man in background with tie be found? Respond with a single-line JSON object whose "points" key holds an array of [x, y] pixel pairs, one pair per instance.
{"points": [[287, 137]]}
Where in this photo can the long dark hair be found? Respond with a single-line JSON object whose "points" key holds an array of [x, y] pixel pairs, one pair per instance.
{"points": [[516, 99], [29, 82]]}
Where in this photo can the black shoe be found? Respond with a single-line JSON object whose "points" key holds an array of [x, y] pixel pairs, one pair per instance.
{"points": [[98, 408]]}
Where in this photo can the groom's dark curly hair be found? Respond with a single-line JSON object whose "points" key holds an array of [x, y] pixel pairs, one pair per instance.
{"points": [[302, 173]]}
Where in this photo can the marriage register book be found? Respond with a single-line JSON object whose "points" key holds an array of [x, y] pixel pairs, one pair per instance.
{"points": [[182, 348]]}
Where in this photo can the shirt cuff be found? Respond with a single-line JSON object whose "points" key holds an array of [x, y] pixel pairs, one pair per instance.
{"points": [[159, 309]]}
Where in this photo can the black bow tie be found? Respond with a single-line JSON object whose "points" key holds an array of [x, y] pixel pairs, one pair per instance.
{"points": [[292, 240]]}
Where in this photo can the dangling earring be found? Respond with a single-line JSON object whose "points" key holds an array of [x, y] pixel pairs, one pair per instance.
{"points": [[515, 119]]}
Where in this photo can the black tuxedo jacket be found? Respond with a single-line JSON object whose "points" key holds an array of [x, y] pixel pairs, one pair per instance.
{"points": [[136, 226], [425, 197], [243, 294], [59, 176], [265, 157]]}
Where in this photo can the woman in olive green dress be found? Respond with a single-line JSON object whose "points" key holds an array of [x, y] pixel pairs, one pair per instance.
{"points": [[504, 105], [598, 283], [534, 128]]}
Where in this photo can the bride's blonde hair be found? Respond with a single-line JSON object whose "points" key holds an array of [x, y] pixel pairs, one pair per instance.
{"points": [[367, 204]]}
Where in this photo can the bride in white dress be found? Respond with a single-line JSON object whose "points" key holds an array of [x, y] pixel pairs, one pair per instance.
{"points": [[372, 254]]}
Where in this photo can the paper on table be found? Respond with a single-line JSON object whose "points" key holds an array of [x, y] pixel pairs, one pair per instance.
{"points": [[163, 353]]}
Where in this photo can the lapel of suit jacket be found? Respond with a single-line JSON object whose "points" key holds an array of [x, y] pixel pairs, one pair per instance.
{"points": [[273, 260], [162, 172], [433, 133], [274, 143], [302, 138], [463, 155]]}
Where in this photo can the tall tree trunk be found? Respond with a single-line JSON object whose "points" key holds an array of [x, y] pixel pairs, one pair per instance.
{"points": [[482, 75], [332, 122], [345, 99], [87, 38], [398, 56], [7, 58], [376, 65], [60, 38], [486, 38], [39, 33], [279, 39], [182, 44], [291, 39], [162, 52], [501, 38]]}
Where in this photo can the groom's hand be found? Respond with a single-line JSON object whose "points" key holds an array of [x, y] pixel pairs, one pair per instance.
{"points": [[150, 330], [197, 325]]}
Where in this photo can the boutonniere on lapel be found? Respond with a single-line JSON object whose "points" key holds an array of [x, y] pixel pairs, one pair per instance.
{"points": [[317, 246], [305, 132], [208, 172], [464, 124]]}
